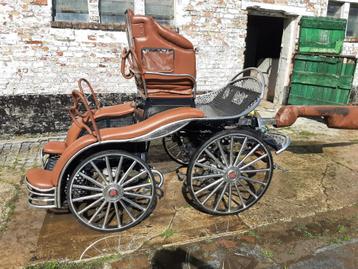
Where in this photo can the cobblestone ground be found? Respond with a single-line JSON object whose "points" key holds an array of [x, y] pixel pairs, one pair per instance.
{"points": [[22, 154], [15, 157]]}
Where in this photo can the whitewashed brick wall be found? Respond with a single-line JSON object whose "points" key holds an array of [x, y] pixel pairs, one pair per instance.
{"points": [[351, 48], [38, 59]]}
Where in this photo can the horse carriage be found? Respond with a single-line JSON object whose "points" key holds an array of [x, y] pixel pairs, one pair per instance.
{"points": [[101, 171]]}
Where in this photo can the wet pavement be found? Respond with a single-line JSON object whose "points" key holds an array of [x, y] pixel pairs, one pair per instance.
{"points": [[316, 176], [323, 242]]}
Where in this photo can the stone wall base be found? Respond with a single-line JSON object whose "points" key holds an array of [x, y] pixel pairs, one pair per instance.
{"points": [[31, 114]]}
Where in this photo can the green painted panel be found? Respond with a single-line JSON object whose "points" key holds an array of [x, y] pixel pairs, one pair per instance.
{"points": [[318, 80], [321, 35]]}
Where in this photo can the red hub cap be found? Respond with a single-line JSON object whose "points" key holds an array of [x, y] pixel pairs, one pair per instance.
{"points": [[232, 175], [113, 193]]}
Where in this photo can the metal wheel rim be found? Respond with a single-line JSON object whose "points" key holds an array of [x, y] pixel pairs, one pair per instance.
{"points": [[218, 193], [133, 190]]}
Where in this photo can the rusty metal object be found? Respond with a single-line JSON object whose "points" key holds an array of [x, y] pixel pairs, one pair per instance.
{"points": [[341, 117]]}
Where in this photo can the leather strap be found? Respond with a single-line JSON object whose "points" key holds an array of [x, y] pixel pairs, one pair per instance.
{"points": [[125, 57]]}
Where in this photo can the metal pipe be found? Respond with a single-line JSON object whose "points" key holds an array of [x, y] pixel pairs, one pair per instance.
{"points": [[340, 117]]}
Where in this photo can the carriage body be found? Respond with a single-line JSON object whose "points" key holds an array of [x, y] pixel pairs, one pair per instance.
{"points": [[101, 171]]}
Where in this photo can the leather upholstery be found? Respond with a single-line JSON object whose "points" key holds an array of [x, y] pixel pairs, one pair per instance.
{"points": [[114, 111], [58, 147], [152, 123], [42, 178], [54, 147], [156, 48]]}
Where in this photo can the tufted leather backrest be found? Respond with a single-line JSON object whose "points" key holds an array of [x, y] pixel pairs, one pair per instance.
{"points": [[158, 49]]}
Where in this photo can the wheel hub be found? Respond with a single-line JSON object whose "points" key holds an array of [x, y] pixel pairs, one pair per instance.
{"points": [[113, 193], [232, 175]]}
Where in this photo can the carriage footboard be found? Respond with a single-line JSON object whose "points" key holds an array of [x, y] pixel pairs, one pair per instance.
{"points": [[277, 141]]}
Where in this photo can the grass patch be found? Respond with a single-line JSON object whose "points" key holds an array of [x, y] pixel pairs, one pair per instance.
{"points": [[304, 231], [340, 239], [253, 234], [93, 264], [66, 265], [341, 229], [306, 134], [9, 208], [267, 253], [167, 233], [342, 235], [308, 234]]}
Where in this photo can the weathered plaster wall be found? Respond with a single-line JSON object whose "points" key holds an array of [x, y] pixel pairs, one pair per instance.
{"points": [[38, 61], [351, 48], [303, 7]]}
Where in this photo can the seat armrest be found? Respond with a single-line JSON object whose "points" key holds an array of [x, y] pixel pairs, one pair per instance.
{"points": [[114, 111]]}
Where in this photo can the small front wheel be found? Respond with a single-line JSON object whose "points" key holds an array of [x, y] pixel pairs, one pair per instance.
{"points": [[229, 173], [111, 191], [178, 147]]}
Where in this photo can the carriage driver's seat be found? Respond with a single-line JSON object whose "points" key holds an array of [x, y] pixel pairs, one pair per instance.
{"points": [[162, 61]]}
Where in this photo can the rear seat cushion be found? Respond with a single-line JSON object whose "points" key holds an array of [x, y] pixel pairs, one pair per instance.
{"points": [[54, 147]]}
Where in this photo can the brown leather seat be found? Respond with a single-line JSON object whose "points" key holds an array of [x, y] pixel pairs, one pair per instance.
{"points": [[115, 111], [40, 178], [58, 147], [54, 147], [151, 124], [158, 49]]}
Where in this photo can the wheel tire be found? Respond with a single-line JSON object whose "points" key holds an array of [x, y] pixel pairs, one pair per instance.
{"points": [[220, 183], [111, 201]]}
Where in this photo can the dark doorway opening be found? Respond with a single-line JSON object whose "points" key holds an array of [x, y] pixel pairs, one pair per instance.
{"points": [[263, 47], [263, 39]]}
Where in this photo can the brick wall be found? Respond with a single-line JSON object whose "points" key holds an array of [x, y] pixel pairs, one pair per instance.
{"points": [[351, 48], [38, 59]]}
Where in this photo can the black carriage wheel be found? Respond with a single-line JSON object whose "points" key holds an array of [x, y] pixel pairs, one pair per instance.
{"points": [[111, 191], [234, 171], [175, 146]]}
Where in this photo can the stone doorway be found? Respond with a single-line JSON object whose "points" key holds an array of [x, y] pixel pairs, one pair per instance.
{"points": [[269, 47]]}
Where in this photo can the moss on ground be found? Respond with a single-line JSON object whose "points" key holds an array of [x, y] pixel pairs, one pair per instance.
{"points": [[92, 264], [8, 204]]}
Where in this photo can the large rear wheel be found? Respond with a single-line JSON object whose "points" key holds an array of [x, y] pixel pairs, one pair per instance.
{"points": [[233, 173]]}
